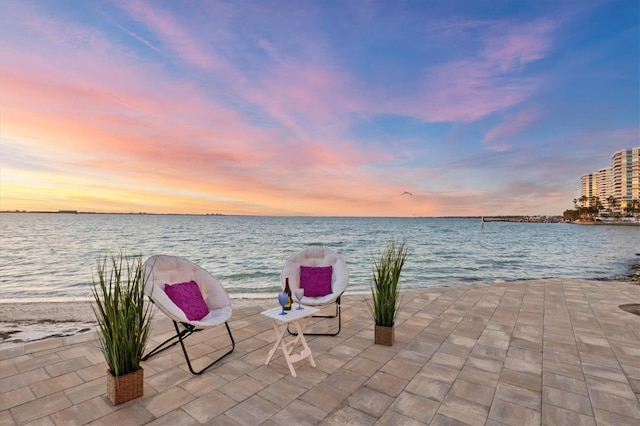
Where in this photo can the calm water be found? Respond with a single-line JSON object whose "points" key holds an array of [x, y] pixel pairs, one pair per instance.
{"points": [[47, 256]]}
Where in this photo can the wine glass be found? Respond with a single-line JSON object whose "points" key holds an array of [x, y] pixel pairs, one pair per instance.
{"points": [[299, 296], [282, 299]]}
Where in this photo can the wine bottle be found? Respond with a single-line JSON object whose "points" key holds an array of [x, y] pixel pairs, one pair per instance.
{"points": [[287, 289]]}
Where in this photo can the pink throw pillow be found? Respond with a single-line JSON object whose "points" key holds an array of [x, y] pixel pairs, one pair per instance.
{"points": [[316, 280], [187, 296]]}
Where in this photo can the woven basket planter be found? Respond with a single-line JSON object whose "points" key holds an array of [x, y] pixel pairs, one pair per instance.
{"points": [[384, 335], [125, 388]]}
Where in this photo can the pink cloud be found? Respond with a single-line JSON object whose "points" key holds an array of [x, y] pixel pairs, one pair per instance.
{"points": [[467, 91], [311, 99], [161, 143], [302, 97], [175, 37], [171, 145], [512, 125], [463, 91], [624, 138], [480, 84], [512, 47]]}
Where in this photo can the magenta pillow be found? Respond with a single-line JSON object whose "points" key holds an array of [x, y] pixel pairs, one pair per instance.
{"points": [[187, 297], [316, 280]]}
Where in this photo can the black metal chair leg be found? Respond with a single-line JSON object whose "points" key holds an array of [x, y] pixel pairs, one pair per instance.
{"points": [[171, 341], [180, 337], [338, 315], [186, 356]]}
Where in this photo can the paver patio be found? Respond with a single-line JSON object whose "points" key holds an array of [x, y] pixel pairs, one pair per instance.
{"points": [[551, 352]]}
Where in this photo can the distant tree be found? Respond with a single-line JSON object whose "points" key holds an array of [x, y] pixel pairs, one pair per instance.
{"points": [[612, 202], [632, 207], [582, 209], [570, 215], [594, 207]]}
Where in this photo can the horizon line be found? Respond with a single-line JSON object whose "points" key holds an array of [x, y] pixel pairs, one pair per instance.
{"points": [[267, 215]]}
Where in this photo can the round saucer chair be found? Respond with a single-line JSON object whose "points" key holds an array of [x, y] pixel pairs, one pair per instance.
{"points": [[160, 270], [318, 258]]}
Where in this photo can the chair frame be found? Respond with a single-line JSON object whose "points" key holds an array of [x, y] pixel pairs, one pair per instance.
{"points": [[338, 312], [180, 338], [188, 330], [338, 315]]}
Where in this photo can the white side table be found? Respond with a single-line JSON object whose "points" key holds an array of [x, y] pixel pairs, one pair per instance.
{"points": [[299, 319]]}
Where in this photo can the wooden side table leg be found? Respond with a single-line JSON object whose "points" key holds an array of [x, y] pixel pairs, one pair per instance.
{"points": [[300, 326], [287, 357], [280, 331]]}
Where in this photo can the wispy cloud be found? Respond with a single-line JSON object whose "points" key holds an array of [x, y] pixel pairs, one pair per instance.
{"points": [[173, 35], [176, 138], [510, 126], [486, 80], [235, 107], [512, 46]]}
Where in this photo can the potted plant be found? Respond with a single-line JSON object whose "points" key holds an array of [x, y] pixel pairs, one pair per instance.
{"points": [[385, 291], [124, 320]]}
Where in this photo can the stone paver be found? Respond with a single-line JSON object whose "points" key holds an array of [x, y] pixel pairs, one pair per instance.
{"points": [[544, 352]]}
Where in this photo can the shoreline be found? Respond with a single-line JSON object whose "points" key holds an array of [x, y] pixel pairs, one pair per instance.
{"points": [[606, 222], [28, 320], [23, 321]]}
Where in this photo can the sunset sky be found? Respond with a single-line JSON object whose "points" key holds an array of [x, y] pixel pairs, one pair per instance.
{"points": [[313, 107]]}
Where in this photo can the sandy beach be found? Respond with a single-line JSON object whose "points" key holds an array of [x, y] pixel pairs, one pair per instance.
{"points": [[22, 322]]}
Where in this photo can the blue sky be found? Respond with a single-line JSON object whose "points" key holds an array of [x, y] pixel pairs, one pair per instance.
{"points": [[313, 108]]}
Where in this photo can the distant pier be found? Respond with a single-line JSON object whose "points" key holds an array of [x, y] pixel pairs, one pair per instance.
{"points": [[523, 219]]}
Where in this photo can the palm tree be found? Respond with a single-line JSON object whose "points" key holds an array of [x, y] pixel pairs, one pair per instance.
{"points": [[582, 210], [613, 203], [596, 205], [632, 207]]}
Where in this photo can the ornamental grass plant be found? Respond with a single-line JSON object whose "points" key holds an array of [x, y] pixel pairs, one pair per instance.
{"points": [[124, 319], [385, 288]]}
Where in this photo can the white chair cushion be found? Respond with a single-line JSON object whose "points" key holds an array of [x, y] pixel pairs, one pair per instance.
{"points": [[317, 256], [162, 269]]}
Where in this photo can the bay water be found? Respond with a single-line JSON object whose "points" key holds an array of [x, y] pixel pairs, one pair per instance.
{"points": [[47, 256]]}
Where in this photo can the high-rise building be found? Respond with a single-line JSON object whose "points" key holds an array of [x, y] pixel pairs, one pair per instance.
{"points": [[597, 187], [588, 188], [625, 176], [603, 184], [621, 180]]}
